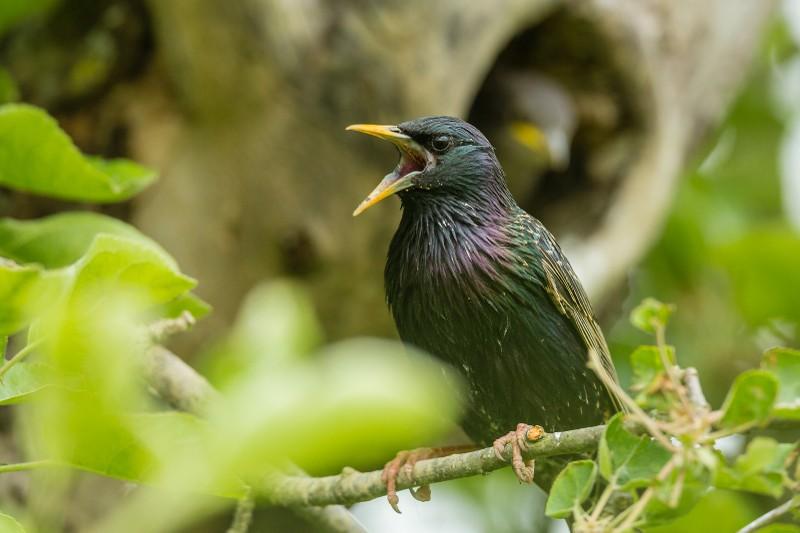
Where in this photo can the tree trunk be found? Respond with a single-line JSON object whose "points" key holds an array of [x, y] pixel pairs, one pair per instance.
{"points": [[259, 177]]}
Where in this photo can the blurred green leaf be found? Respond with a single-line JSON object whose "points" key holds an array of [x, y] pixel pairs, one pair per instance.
{"points": [[23, 380], [750, 399], [15, 11], [318, 410], [8, 88], [62, 239], [185, 302], [633, 460], [59, 240], [8, 524], [275, 326], [784, 364], [572, 486], [37, 156], [760, 469], [113, 263], [650, 314], [24, 291]]}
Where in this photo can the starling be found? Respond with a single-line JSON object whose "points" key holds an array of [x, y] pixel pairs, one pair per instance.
{"points": [[476, 281]]}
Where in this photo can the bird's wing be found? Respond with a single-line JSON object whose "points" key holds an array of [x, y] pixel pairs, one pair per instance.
{"points": [[566, 292]]}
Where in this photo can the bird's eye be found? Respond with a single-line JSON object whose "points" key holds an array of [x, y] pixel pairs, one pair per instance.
{"points": [[441, 143]]}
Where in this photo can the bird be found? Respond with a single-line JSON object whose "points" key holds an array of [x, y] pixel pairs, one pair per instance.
{"points": [[477, 282]]}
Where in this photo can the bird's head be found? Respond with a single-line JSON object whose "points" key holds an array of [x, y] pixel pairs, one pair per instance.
{"points": [[439, 157]]}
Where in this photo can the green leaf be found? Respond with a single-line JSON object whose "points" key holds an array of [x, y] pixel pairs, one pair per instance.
{"points": [[186, 302], [649, 375], [23, 380], [634, 461], [647, 364], [316, 410], [37, 156], [571, 488], [112, 263], [760, 469], [750, 399], [60, 240], [678, 494], [650, 314], [9, 524], [784, 364], [275, 326], [24, 292], [15, 11]]}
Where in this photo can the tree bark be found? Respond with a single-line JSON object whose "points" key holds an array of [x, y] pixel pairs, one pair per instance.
{"points": [[259, 178]]}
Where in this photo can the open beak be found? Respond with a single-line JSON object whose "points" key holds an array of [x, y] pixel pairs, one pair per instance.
{"points": [[414, 159]]}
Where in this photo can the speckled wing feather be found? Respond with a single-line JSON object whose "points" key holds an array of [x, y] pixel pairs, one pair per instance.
{"points": [[570, 299]]}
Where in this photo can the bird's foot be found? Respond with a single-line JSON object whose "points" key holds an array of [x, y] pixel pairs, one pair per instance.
{"points": [[405, 461], [519, 439]]}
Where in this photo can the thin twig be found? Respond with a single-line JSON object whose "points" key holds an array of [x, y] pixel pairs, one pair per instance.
{"points": [[167, 327], [692, 381], [771, 516], [243, 514], [638, 508], [669, 368], [635, 410]]}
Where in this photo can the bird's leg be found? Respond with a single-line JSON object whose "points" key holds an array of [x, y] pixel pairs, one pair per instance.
{"points": [[519, 439], [405, 461]]}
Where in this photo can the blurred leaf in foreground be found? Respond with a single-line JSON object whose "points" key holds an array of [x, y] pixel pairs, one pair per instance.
{"points": [[23, 380], [25, 292], [38, 157], [275, 326], [59, 240], [359, 400], [9, 525]]}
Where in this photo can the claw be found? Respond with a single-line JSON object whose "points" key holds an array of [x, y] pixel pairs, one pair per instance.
{"points": [[421, 493], [519, 439], [405, 461]]}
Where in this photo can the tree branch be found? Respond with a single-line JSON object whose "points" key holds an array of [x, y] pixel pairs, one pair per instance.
{"points": [[352, 486], [321, 498], [771, 516]]}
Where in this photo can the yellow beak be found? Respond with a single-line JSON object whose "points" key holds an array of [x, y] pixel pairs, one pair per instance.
{"points": [[412, 156]]}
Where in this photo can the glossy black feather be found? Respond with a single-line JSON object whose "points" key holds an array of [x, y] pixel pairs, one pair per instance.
{"points": [[474, 280]]}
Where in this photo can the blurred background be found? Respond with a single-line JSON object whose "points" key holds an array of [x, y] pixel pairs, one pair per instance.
{"points": [[659, 140]]}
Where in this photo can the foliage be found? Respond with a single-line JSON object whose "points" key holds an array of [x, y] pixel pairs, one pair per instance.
{"points": [[662, 473], [81, 297]]}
